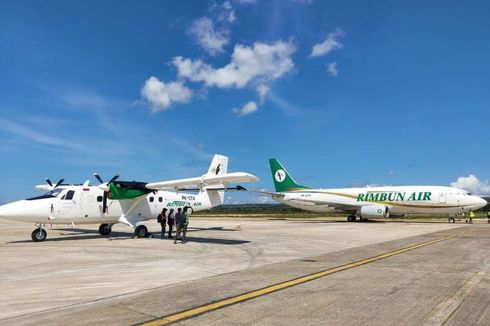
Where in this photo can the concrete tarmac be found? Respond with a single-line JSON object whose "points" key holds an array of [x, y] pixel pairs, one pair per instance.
{"points": [[79, 277]]}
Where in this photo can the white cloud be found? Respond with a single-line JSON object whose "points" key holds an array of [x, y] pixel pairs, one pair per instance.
{"points": [[264, 200], [332, 69], [247, 109], [213, 33], [331, 43], [261, 62], [38, 137], [262, 90], [228, 13], [285, 106], [162, 95], [472, 184], [87, 100], [210, 39]]}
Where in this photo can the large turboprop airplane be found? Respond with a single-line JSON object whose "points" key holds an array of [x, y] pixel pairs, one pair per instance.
{"points": [[372, 202], [127, 202]]}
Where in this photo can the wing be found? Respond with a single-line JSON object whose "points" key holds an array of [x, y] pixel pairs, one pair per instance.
{"points": [[208, 179], [310, 202]]}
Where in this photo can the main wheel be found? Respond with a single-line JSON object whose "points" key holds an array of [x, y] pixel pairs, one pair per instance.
{"points": [[39, 235], [351, 218], [105, 229], [451, 220], [141, 231]]}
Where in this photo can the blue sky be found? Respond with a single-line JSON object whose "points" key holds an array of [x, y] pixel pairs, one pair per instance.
{"points": [[343, 92]]}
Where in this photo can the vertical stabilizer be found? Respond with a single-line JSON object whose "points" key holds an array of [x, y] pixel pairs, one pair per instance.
{"points": [[219, 165], [283, 181]]}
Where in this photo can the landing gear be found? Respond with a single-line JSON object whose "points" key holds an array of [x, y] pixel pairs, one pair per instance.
{"points": [[39, 234], [105, 229], [141, 231], [451, 220], [351, 218], [363, 219]]}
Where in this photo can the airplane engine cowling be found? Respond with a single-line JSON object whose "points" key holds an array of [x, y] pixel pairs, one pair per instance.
{"points": [[374, 211], [127, 190]]}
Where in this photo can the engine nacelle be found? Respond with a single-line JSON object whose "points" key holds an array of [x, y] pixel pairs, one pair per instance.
{"points": [[374, 211]]}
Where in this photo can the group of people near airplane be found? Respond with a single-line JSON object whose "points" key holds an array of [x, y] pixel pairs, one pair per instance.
{"points": [[180, 219]]}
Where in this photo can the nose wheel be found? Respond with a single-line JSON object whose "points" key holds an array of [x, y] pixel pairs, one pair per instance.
{"points": [[105, 229], [39, 234]]}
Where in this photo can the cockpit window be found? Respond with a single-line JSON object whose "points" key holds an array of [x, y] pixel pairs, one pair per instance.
{"points": [[69, 195], [50, 194], [55, 192]]}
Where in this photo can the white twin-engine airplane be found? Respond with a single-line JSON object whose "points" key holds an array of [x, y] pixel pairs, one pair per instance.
{"points": [[127, 202], [373, 202]]}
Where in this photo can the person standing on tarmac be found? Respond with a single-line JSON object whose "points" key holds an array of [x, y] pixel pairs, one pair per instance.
{"points": [[186, 213], [472, 214], [488, 217], [170, 222], [178, 224], [162, 219], [182, 223]]}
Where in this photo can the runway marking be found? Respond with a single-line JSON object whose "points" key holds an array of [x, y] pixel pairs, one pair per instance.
{"points": [[193, 312]]}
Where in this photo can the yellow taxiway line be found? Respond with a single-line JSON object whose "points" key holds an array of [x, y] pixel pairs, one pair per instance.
{"points": [[284, 285]]}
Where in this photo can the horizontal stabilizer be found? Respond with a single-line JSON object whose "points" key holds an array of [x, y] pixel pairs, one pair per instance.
{"points": [[203, 181]]}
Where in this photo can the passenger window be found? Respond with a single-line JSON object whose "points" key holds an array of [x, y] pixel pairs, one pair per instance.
{"points": [[152, 199], [69, 195], [160, 199], [99, 199]]}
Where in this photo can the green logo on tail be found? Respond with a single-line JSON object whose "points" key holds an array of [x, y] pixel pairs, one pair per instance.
{"points": [[282, 179]]}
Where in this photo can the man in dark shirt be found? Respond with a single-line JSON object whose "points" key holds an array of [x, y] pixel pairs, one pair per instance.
{"points": [[162, 219], [170, 222]]}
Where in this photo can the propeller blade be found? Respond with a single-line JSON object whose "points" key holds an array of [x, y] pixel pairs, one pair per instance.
{"points": [[49, 182], [59, 182], [97, 176], [104, 203], [113, 178]]}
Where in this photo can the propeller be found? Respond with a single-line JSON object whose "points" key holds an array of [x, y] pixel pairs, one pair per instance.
{"points": [[105, 187], [50, 185], [59, 182]]}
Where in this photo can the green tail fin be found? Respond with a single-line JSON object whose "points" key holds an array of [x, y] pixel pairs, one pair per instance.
{"points": [[283, 181]]}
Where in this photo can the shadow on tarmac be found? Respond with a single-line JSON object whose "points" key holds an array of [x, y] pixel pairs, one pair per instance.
{"points": [[77, 236], [211, 240], [215, 228], [71, 234]]}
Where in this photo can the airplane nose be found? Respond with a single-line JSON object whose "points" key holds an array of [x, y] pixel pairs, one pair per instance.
{"points": [[483, 202], [4, 211], [478, 202]]}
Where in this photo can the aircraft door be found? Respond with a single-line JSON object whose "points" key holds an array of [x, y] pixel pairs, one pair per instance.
{"points": [[68, 205], [89, 203]]}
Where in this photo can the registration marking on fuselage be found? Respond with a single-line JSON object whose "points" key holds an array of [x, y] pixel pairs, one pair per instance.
{"points": [[202, 309]]}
